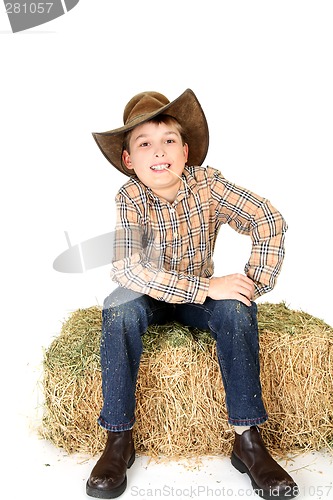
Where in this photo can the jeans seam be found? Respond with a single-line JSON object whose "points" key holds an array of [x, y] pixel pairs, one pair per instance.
{"points": [[219, 359], [209, 312]]}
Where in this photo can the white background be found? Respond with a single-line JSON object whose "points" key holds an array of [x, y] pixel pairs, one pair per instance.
{"points": [[262, 71]]}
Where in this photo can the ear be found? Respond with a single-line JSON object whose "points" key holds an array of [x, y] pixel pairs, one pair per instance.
{"points": [[127, 159], [185, 149]]}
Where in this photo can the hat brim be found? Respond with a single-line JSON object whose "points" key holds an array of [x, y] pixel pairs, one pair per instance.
{"points": [[186, 109]]}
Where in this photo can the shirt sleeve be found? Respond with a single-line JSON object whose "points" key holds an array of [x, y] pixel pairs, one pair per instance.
{"points": [[137, 266], [252, 215]]}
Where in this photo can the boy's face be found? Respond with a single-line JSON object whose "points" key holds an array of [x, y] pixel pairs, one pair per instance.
{"points": [[153, 146]]}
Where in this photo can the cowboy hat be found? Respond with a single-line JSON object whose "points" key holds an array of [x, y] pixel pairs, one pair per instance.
{"points": [[145, 106]]}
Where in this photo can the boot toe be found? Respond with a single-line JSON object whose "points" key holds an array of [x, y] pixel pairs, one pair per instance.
{"points": [[277, 486], [105, 487]]}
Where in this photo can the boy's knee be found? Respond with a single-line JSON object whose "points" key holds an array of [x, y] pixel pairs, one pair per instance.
{"points": [[125, 307], [234, 312], [235, 307], [119, 298]]}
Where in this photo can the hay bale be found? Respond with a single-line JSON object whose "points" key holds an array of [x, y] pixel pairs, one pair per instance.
{"points": [[180, 396]]}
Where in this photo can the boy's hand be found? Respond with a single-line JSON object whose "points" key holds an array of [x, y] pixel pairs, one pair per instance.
{"points": [[234, 286]]}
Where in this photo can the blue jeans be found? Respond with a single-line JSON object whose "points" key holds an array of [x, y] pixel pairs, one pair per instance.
{"points": [[126, 317]]}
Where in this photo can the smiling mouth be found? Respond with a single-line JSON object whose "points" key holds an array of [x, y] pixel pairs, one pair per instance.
{"points": [[163, 166]]}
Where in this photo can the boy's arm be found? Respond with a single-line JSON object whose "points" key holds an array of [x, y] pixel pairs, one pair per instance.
{"points": [[136, 263], [268, 229], [255, 216]]}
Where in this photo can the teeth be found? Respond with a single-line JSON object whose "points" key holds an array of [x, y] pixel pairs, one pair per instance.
{"points": [[160, 167]]}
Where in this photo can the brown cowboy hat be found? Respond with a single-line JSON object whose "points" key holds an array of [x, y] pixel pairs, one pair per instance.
{"points": [[146, 105]]}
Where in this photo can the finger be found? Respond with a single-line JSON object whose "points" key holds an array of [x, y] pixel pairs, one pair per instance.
{"points": [[249, 285], [246, 288], [242, 278], [242, 298], [240, 286]]}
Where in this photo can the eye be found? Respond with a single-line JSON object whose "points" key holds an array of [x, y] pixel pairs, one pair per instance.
{"points": [[170, 141], [144, 144]]}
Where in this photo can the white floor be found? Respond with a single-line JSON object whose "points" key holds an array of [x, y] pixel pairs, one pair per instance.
{"points": [[36, 469]]}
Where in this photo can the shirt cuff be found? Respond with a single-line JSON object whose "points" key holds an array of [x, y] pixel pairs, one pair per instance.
{"points": [[202, 292]]}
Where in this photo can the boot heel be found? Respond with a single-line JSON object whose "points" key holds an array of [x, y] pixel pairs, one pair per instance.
{"points": [[131, 460], [238, 464]]}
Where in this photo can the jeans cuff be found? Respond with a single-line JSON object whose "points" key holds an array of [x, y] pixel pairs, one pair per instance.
{"points": [[248, 421], [116, 428]]}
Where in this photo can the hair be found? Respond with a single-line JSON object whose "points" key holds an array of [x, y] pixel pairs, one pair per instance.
{"points": [[162, 118]]}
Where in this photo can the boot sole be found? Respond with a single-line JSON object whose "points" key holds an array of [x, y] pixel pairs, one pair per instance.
{"points": [[114, 493], [241, 467]]}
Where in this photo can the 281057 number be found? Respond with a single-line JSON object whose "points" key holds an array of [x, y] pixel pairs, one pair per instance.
{"points": [[31, 8]]}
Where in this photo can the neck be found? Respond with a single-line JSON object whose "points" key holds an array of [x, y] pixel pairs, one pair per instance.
{"points": [[168, 194]]}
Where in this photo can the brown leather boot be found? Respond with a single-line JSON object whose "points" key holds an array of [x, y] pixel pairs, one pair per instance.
{"points": [[108, 477], [269, 479]]}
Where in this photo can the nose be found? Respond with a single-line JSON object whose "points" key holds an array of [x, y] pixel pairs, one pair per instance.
{"points": [[159, 153]]}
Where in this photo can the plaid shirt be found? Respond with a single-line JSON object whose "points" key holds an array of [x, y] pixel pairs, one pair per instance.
{"points": [[166, 250]]}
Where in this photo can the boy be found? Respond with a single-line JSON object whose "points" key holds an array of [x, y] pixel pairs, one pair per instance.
{"points": [[168, 216]]}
